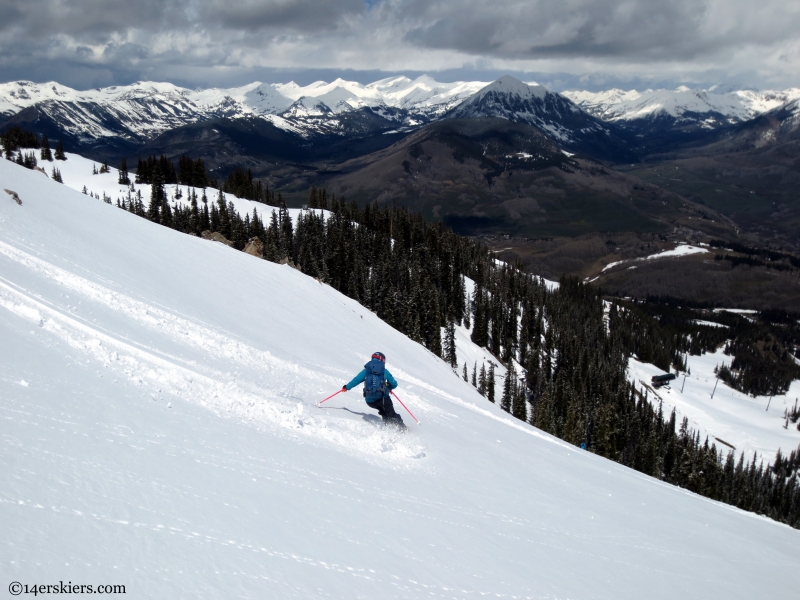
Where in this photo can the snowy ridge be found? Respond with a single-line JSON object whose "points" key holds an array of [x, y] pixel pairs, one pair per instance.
{"points": [[145, 109], [157, 392], [682, 103]]}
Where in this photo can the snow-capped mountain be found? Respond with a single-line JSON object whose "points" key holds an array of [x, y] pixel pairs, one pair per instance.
{"points": [[509, 98], [565, 122], [143, 110], [161, 433], [613, 125], [772, 129], [136, 112], [707, 108]]}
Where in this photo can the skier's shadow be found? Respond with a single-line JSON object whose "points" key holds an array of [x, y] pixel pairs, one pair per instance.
{"points": [[372, 419]]}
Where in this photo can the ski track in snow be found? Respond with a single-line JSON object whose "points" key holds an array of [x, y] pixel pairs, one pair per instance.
{"points": [[167, 375], [172, 375]]}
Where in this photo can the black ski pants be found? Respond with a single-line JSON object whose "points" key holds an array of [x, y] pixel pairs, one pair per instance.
{"points": [[385, 409]]}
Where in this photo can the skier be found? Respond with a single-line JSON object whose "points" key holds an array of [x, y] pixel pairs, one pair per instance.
{"points": [[378, 382]]}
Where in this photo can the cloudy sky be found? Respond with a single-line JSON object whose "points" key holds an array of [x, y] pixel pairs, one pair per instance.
{"points": [[565, 44]]}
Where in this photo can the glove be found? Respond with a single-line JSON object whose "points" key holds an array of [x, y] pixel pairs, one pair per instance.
{"points": [[344, 388]]}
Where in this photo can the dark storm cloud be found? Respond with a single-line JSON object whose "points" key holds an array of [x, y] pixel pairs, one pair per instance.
{"points": [[99, 18], [90, 20], [643, 30], [296, 15], [211, 42]]}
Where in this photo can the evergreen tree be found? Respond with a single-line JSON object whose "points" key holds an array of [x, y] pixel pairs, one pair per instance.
{"points": [[157, 199], [490, 383], [214, 220], [519, 406], [46, 154], [139, 205], [272, 242], [450, 346], [465, 371], [123, 179], [194, 218], [286, 231], [56, 175], [27, 160], [509, 388], [205, 219], [224, 225], [165, 213], [59, 154], [239, 227]]}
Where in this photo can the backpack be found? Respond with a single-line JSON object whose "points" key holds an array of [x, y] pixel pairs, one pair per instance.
{"points": [[374, 381]]}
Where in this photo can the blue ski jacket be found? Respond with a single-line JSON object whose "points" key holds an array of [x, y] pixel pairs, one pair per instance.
{"points": [[391, 381]]}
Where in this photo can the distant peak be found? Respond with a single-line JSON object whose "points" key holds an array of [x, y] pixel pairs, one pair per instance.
{"points": [[511, 85], [507, 81], [425, 79]]}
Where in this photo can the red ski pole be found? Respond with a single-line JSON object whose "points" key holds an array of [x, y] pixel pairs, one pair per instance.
{"points": [[404, 406], [328, 398]]}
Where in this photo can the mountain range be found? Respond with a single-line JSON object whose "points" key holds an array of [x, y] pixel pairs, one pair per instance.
{"points": [[492, 156], [137, 113], [683, 103]]}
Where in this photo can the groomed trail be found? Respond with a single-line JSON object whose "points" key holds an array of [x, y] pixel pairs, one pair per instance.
{"points": [[159, 428]]}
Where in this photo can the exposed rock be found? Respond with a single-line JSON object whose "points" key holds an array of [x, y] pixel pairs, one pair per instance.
{"points": [[290, 262], [216, 236], [255, 247], [14, 195]]}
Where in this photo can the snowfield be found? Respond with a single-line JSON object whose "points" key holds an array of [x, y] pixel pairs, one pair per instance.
{"points": [[679, 250], [159, 428]]}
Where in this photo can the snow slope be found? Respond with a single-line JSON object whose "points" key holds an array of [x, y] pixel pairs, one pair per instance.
{"points": [[159, 431], [76, 172], [677, 251], [739, 424]]}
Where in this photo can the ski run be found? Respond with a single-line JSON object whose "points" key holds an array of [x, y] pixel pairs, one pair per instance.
{"points": [[159, 431]]}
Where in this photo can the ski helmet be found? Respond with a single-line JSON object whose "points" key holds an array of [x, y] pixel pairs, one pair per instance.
{"points": [[379, 356]]}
